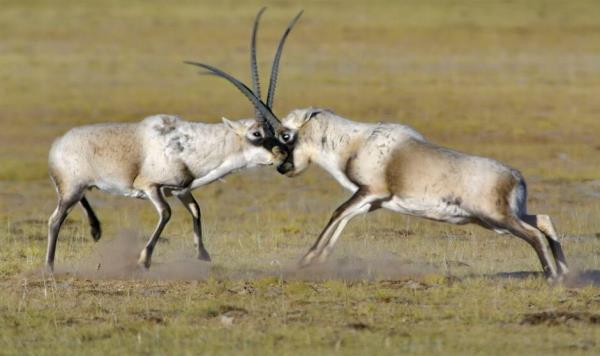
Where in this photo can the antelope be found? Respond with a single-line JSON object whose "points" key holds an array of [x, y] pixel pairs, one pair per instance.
{"points": [[160, 156], [392, 166]]}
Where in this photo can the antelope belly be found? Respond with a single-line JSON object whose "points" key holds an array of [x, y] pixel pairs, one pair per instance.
{"points": [[120, 190], [431, 209]]}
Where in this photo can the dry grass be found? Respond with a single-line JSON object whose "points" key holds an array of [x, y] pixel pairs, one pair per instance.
{"points": [[516, 80]]}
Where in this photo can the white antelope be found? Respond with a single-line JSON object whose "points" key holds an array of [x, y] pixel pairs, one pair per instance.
{"points": [[394, 167], [160, 156]]}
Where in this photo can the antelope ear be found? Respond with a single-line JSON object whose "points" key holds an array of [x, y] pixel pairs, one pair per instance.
{"points": [[310, 113], [235, 126]]}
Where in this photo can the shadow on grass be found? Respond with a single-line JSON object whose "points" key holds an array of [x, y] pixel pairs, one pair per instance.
{"points": [[575, 279], [585, 278], [516, 275]]}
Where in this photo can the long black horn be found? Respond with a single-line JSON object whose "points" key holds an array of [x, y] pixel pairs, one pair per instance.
{"points": [[275, 68], [269, 118], [253, 65]]}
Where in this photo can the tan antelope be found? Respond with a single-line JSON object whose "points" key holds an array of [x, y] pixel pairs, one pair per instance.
{"points": [[392, 166], [160, 156]]}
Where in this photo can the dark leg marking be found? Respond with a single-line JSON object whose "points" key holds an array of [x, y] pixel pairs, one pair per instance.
{"points": [[536, 239], [545, 225], [95, 229]]}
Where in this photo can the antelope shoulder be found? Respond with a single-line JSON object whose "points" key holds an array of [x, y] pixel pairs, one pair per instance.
{"points": [[368, 157]]}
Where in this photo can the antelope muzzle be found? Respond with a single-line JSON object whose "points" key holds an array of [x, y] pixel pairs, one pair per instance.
{"points": [[280, 151], [286, 165]]}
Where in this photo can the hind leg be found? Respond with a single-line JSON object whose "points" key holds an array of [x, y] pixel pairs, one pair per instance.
{"points": [[164, 214], [95, 229], [545, 225], [65, 203], [536, 239]]}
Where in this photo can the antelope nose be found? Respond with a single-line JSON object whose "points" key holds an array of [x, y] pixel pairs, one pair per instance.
{"points": [[285, 167]]}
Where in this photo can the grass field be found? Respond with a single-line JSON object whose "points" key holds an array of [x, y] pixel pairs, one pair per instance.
{"points": [[515, 80]]}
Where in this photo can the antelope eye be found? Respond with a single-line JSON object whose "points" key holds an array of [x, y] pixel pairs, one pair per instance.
{"points": [[286, 137], [256, 134]]}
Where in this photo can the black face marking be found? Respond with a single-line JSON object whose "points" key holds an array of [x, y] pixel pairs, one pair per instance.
{"points": [[288, 164], [255, 136], [256, 141], [270, 143]]}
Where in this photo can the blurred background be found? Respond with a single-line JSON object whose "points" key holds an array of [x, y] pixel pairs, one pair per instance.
{"points": [[518, 81]]}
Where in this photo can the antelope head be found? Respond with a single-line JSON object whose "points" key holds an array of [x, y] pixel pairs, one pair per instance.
{"points": [[297, 135], [267, 130], [258, 146]]}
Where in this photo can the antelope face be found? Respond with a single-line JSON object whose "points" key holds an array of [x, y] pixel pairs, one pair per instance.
{"points": [[260, 147], [292, 135], [295, 162]]}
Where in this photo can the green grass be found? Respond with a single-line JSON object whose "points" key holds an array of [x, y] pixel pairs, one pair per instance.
{"points": [[514, 80]]}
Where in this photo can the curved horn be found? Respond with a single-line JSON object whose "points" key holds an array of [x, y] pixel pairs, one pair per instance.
{"points": [[275, 68], [268, 117], [253, 65]]}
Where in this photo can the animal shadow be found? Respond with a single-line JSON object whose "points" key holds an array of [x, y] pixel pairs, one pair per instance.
{"points": [[585, 278], [575, 279], [516, 275]]}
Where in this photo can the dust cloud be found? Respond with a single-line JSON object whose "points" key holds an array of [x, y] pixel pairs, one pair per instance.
{"points": [[117, 259]]}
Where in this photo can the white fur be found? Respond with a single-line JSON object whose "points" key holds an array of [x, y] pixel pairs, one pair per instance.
{"points": [[160, 155]]}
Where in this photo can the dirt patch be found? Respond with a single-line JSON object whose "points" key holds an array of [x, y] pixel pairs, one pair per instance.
{"points": [[352, 268], [117, 259], [553, 318], [359, 326]]}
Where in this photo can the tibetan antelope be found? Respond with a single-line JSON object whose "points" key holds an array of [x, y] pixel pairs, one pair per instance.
{"points": [[394, 167], [160, 156]]}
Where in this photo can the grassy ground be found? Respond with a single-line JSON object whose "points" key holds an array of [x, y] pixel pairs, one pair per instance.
{"points": [[515, 80]]}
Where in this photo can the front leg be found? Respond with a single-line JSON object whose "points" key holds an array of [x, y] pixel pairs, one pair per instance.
{"points": [[361, 202], [187, 199]]}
